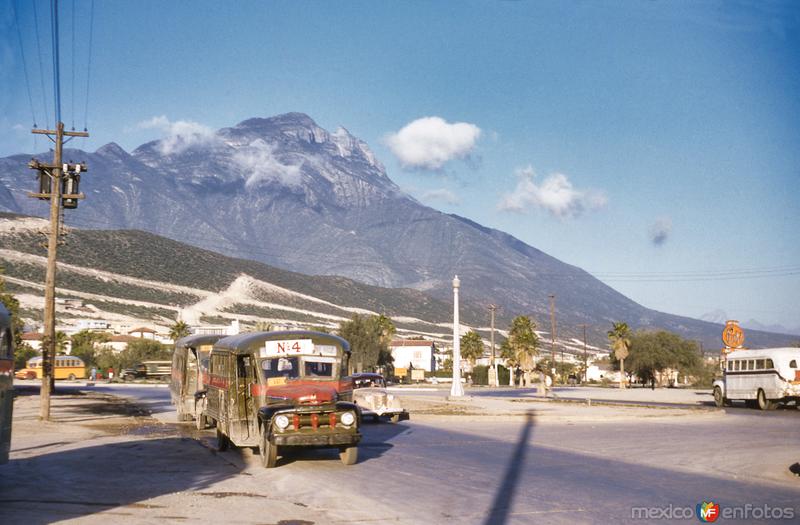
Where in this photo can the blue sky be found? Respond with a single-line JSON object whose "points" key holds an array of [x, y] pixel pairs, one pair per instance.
{"points": [[637, 140]]}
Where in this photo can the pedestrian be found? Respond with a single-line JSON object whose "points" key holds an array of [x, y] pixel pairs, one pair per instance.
{"points": [[110, 374], [93, 374], [653, 383]]}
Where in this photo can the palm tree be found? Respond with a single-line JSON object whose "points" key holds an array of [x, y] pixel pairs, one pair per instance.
{"points": [[471, 346], [179, 330], [619, 335], [523, 344]]}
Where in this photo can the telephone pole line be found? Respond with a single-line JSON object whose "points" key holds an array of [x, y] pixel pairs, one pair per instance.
{"points": [[553, 334], [58, 183], [585, 361], [494, 380], [51, 179]]}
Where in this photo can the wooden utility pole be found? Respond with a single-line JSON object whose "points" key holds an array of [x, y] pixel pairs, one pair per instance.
{"points": [[494, 379], [553, 333], [52, 177], [585, 361]]}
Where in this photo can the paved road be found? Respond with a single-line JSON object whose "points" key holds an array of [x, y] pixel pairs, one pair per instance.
{"points": [[530, 469]]}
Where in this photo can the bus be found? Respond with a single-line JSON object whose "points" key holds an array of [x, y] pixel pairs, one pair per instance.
{"points": [[189, 371], [6, 382], [763, 378], [280, 391], [66, 367]]}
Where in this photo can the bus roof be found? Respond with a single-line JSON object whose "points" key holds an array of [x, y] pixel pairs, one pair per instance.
{"points": [[198, 340], [242, 343], [763, 352]]}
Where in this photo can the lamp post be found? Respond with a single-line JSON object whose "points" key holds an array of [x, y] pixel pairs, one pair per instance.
{"points": [[456, 390]]}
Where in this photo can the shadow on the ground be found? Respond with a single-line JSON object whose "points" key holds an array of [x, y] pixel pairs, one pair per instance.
{"points": [[80, 482], [374, 443]]}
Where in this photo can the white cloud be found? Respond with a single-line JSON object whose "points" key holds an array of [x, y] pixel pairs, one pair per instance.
{"points": [[178, 135], [555, 194], [430, 142], [259, 163], [660, 230], [441, 194]]}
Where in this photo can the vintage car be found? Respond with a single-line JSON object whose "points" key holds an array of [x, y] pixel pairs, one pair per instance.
{"points": [[282, 390], [369, 393], [189, 374], [25, 373]]}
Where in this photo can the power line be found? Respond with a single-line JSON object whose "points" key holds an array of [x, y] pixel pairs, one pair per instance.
{"points": [[88, 67], [72, 68], [56, 59], [24, 62], [41, 67]]}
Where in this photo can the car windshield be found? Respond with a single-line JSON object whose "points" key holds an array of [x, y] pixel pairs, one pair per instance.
{"points": [[369, 382]]}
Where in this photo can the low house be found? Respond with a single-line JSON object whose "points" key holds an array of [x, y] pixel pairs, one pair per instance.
{"points": [[231, 329], [119, 343], [143, 333], [418, 353]]}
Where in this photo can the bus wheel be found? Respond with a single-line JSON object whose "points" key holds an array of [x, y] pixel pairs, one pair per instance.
{"points": [[719, 399], [222, 441], [72, 377], [348, 455], [268, 451], [764, 403]]}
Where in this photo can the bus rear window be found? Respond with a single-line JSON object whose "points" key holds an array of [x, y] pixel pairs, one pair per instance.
{"points": [[793, 363]]}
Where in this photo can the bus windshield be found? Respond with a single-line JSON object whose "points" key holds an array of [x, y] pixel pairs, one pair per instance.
{"points": [[303, 366]]}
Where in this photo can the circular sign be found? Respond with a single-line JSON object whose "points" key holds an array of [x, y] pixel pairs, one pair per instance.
{"points": [[732, 335]]}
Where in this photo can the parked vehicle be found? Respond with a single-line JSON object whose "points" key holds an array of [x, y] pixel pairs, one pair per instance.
{"points": [[276, 390], [161, 370], [6, 383], [66, 367], [189, 374], [369, 393], [762, 378]]}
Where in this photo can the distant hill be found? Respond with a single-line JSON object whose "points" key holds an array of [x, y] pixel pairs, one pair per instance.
{"points": [[285, 192]]}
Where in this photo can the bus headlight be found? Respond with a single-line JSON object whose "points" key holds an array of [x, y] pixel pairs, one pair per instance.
{"points": [[282, 422], [348, 418]]}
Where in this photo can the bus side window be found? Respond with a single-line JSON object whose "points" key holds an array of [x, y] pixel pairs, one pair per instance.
{"points": [[770, 365], [759, 364], [736, 366], [730, 365]]}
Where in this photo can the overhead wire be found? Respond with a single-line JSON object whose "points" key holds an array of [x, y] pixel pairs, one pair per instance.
{"points": [[56, 60], [72, 68], [24, 62], [88, 68], [41, 67]]}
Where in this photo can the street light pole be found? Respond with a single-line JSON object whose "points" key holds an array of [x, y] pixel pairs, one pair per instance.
{"points": [[456, 390], [494, 379]]}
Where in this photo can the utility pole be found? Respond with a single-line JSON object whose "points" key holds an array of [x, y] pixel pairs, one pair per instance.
{"points": [[553, 334], [585, 361], [494, 378], [456, 390], [53, 178]]}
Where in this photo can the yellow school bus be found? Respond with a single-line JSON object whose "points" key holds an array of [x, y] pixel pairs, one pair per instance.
{"points": [[67, 367]]}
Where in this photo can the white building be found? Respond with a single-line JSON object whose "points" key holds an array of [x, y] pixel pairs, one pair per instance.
{"points": [[232, 329], [417, 353]]}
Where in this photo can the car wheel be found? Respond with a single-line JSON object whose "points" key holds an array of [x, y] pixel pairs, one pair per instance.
{"points": [[349, 455], [222, 440], [764, 403], [396, 418], [268, 451]]}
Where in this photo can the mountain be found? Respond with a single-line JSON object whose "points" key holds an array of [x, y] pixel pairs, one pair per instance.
{"points": [[134, 277], [290, 194]]}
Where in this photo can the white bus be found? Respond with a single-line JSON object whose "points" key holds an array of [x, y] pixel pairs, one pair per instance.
{"points": [[761, 378]]}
